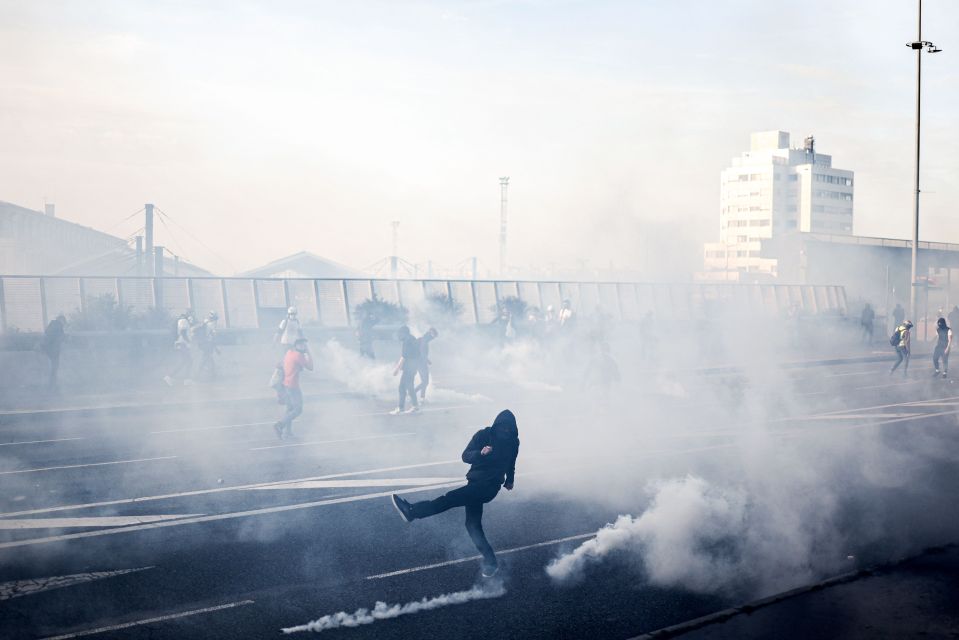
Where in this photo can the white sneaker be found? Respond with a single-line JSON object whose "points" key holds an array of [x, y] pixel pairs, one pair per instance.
{"points": [[395, 412], [168, 380], [412, 410]]}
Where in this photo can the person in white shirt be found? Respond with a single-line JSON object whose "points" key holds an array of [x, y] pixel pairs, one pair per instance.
{"points": [[289, 330], [181, 345]]}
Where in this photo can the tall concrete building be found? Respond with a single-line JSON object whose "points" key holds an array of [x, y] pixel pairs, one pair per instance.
{"points": [[771, 190]]}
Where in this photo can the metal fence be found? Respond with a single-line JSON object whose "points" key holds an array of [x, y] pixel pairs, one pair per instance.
{"points": [[27, 303]]}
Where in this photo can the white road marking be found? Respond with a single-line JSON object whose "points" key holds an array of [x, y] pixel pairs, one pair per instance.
{"points": [[83, 466], [19, 588], [889, 384], [199, 492], [92, 521], [172, 616], [314, 443], [448, 563], [354, 483], [222, 516], [860, 416], [213, 428], [13, 444]]}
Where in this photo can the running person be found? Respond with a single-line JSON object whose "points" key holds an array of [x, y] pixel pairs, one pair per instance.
{"points": [[425, 363], [296, 359], [903, 347], [409, 364], [289, 330], [491, 454], [184, 365], [943, 347]]}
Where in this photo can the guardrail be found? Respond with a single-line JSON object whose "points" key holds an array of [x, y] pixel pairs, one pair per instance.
{"points": [[27, 303]]}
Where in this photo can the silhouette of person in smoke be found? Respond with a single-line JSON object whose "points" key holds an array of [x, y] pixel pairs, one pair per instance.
{"points": [[491, 454]]}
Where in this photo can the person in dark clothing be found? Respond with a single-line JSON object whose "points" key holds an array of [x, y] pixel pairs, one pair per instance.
{"points": [[53, 338], [943, 347], [409, 364], [364, 335], [491, 454], [866, 322], [425, 363]]}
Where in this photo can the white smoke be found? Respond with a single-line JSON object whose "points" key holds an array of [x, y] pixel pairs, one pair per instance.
{"points": [[376, 379], [383, 611], [676, 537]]}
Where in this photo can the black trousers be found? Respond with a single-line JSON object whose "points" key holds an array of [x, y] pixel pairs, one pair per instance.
{"points": [[406, 387], [473, 496]]}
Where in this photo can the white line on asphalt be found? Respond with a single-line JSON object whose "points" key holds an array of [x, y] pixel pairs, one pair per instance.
{"points": [[852, 373], [20, 588], [354, 483], [222, 516], [890, 384], [504, 552], [172, 616], [13, 444], [199, 492], [90, 521], [319, 442], [81, 466], [215, 427]]}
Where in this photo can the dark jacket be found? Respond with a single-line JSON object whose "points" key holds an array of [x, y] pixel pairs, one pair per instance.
{"points": [[500, 464]]}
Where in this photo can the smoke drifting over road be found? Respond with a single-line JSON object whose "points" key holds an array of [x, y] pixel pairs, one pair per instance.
{"points": [[383, 611]]}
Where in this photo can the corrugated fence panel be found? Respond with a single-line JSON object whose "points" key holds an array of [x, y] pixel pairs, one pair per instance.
{"points": [[486, 308], [506, 290], [411, 293], [529, 292], [99, 287], [21, 300], [588, 298], [386, 290], [241, 304], [436, 287], [549, 291], [463, 294], [137, 293], [662, 305], [176, 295], [303, 297], [270, 294], [609, 300], [628, 303], [207, 297], [358, 292], [332, 304], [63, 296]]}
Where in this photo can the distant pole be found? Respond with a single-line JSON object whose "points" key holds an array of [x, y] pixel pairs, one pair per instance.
{"points": [[394, 259], [503, 187], [158, 261], [148, 226], [918, 47], [474, 271], [139, 255], [176, 265]]}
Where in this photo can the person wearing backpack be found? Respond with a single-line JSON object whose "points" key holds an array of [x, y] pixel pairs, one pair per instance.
{"points": [[943, 347], [902, 340], [297, 359]]}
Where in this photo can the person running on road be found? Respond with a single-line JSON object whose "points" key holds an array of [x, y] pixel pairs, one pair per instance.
{"points": [[296, 359], [943, 347], [866, 321], [425, 362], [903, 347], [409, 364], [289, 330], [205, 337], [53, 338], [491, 454], [184, 365]]}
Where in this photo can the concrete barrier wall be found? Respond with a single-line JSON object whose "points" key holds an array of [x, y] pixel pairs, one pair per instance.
{"points": [[27, 303]]}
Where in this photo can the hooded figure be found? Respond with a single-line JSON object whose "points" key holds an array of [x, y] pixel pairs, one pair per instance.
{"points": [[491, 454]]}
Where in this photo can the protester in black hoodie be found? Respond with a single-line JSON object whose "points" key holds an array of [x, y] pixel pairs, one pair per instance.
{"points": [[491, 454]]}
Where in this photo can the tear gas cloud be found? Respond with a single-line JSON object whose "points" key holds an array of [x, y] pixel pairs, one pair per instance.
{"points": [[382, 611]]}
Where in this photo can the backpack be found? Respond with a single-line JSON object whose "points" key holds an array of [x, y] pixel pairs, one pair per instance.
{"points": [[896, 337]]}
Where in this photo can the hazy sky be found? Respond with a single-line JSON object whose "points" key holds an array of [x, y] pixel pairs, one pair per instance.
{"points": [[267, 128]]}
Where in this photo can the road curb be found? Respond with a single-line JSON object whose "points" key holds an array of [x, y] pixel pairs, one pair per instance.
{"points": [[718, 617]]}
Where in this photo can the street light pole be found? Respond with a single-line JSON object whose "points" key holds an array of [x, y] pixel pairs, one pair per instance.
{"points": [[918, 47]]}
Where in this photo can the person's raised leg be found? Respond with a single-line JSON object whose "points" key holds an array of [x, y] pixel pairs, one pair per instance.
{"points": [[474, 527], [455, 498]]}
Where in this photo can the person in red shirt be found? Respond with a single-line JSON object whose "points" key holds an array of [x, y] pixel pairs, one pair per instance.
{"points": [[296, 359]]}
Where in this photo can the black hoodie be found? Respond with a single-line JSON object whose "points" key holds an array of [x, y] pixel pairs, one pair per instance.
{"points": [[499, 465]]}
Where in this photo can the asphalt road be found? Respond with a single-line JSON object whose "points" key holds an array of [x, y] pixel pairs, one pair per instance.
{"points": [[195, 521]]}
